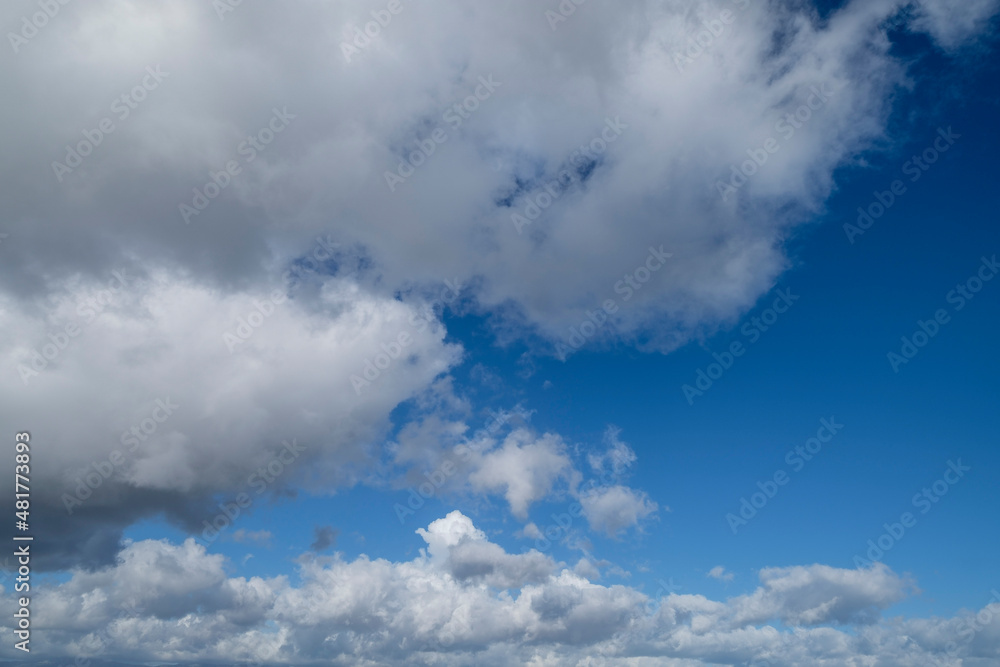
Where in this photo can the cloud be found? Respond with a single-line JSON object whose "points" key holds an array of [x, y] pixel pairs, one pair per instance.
{"points": [[349, 307], [466, 600], [532, 531], [372, 265], [524, 468], [719, 572], [682, 130], [471, 557], [156, 415], [612, 509], [820, 594], [951, 31], [326, 537], [616, 459], [263, 537]]}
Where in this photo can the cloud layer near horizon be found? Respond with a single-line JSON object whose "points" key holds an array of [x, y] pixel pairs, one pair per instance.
{"points": [[464, 599]]}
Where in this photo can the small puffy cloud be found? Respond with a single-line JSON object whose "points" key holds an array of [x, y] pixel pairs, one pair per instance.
{"points": [[449, 531], [719, 572], [326, 537], [258, 536], [531, 531], [612, 509], [524, 469]]}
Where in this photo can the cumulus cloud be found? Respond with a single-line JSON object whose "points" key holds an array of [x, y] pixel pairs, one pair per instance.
{"points": [[532, 531], [612, 509], [681, 127], [820, 594], [157, 415], [468, 555], [149, 372], [525, 469], [466, 600], [719, 572], [440, 455], [221, 93]]}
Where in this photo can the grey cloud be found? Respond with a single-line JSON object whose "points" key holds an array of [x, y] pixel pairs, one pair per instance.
{"points": [[326, 537], [354, 121]]}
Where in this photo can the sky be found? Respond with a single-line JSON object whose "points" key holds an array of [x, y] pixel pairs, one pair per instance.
{"points": [[598, 334]]}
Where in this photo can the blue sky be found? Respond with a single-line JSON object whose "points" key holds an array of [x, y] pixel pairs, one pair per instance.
{"points": [[647, 559]]}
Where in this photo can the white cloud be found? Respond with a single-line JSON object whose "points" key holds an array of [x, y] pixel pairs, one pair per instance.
{"points": [[614, 508], [952, 29], [531, 531], [719, 572], [324, 174], [466, 600], [820, 594], [524, 468]]}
